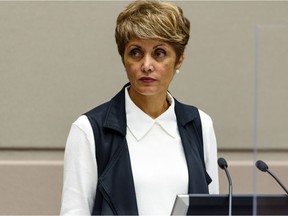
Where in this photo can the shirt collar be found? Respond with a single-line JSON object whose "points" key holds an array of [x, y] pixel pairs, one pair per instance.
{"points": [[139, 123]]}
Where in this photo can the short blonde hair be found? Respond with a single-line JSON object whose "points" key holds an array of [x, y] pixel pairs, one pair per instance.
{"points": [[152, 19]]}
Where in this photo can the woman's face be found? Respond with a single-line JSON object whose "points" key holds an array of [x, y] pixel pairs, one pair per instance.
{"points": [[150, 66]]}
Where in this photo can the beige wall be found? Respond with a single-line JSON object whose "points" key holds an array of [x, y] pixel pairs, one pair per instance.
{"points": [[58, 59]]}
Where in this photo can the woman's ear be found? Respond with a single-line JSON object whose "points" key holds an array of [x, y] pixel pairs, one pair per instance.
{"points": [[180, 61]]}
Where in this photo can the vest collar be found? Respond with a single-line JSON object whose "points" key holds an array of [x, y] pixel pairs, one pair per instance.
{"points": [[119, 122], [113, 119]]}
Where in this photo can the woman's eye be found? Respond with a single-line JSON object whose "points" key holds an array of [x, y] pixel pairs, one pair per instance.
{"points": [[160, 53], [135, 52]]}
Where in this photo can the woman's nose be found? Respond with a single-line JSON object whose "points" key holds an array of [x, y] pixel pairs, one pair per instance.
{"points": [[147, 64]]}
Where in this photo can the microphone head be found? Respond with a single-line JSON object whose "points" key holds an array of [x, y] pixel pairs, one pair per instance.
{"points": [[261, 165], [222, 163]]}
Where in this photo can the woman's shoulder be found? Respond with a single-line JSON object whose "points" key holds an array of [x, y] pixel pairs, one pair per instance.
{"points": [[204, 115], [205, 118], [82, 123], [186, 108], [98, 109]]}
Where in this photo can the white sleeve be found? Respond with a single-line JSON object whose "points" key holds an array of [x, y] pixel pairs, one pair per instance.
{"points": [[80, 170], [210, 151]]}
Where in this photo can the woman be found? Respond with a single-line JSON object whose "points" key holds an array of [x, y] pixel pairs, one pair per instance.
{"points": [[149, 147]]}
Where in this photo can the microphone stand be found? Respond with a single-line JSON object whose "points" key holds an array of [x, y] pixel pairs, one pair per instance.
{"points": [[230, 190], [285, 189], [262, 166]]}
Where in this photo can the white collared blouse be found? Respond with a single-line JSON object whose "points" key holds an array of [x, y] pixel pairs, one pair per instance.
{"points": [[157, 158]]}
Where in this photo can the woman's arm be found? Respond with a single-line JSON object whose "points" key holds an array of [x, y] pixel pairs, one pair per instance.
{"points": [[210, 151], [80, 170]]}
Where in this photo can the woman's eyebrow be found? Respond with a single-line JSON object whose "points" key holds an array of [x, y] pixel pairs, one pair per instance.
{"points": [[159, 45], [134, 45]]}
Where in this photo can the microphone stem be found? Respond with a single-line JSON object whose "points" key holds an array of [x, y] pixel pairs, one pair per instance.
{"points": [[230, 190], [230, 200], [284, 188]]}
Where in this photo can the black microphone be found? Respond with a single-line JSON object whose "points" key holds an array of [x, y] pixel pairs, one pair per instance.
{"points": [[261, 165], [223, 165]]}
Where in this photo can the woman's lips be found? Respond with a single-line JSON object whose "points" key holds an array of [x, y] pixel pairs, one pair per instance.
{"points": [[147, 79]]}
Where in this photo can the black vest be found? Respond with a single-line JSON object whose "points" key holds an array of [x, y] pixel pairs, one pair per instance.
{"points": [[115, 193]]}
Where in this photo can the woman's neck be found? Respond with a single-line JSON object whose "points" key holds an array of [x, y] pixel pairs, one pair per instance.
{"points": [[152, 105]]}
